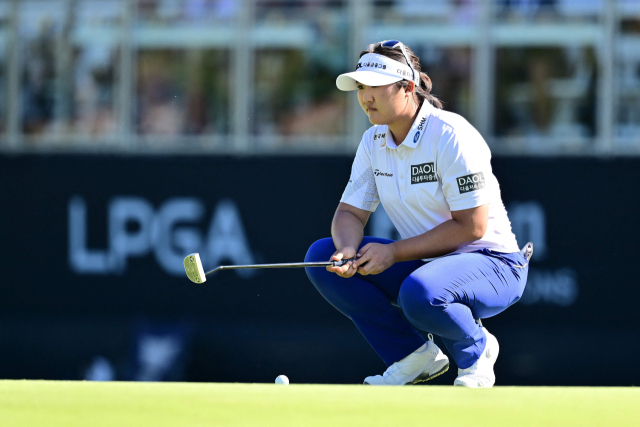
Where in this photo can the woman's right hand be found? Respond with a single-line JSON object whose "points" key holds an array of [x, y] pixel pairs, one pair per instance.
{"points": [[347, 270]]}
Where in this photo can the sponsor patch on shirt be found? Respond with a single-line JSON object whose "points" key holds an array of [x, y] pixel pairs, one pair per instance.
{"points": [[422, 122], [426, 172], [472, 182], [382, 136], [380, 173]]}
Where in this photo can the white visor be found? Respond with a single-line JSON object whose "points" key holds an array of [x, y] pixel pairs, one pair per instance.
{"points": [[374, 70]]}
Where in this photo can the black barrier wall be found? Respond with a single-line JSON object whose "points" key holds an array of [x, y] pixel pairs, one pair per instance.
{"points": [[92, 283]]}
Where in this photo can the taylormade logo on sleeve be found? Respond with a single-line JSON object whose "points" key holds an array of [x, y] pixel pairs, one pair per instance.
{"points": [[472, 182]]}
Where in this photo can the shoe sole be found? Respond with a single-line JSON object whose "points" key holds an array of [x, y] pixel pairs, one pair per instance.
{"points": [[425, 376]]}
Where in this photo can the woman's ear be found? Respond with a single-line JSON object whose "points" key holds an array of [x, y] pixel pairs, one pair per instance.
{"points": [[411, 87]]}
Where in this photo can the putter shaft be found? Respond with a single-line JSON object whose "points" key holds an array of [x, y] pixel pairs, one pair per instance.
{"points": [[285, 265]]}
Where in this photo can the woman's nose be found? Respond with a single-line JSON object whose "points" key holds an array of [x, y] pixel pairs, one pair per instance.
{"points": [[366, 95]]}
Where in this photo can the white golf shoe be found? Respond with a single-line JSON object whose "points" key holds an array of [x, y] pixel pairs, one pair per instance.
{"points": [[480, 374], [425, 363]]}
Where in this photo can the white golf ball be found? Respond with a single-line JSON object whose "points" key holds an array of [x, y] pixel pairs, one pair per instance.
{"points": [[282, 379]]}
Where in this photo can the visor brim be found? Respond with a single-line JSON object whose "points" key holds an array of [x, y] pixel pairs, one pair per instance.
{"points": [[349, 81]]}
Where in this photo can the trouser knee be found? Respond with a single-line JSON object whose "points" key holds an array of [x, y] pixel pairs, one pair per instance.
{"points": [[420, 304], [320, 250], [332, 287]]}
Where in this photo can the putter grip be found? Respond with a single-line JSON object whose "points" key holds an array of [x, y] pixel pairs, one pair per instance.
{"points": [[342, 262]]}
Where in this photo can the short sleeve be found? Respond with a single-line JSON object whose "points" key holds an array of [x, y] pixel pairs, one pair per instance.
{"points": [[465, 169], [361, 191]]}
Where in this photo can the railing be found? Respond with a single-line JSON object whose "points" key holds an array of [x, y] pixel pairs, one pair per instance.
{"points": [[257, 76]]}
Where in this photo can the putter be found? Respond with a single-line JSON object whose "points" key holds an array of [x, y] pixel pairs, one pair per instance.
{"points": [[195, 272]]}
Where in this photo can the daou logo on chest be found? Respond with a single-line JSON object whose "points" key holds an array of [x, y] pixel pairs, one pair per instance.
{"points": [[425, 172]]}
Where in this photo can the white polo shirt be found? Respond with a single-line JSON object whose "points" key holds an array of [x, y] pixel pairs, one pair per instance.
{"points": [[443, 165]]}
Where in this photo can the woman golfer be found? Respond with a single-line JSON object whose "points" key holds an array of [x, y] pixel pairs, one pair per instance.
{"points": [[458, 260]]}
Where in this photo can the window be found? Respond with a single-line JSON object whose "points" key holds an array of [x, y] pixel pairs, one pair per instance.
{"points": [[183, 62], [91, 92], [182, 91], [627, 81], [4, 53], [546, 92], [40, 25], [300, 50]]}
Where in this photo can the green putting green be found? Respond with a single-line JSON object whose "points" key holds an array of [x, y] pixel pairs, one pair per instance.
{"points": [[69, 404]]}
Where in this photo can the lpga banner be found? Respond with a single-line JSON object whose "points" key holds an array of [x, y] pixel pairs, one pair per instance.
{"points": [[92, 249]]}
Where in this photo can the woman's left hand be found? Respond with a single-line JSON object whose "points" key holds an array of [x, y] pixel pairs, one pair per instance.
{"points": [[374, 258]]}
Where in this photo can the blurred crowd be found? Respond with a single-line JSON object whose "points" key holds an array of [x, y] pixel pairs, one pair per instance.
{"points": [[71, 59]]}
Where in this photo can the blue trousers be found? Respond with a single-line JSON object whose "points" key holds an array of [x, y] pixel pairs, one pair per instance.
{"points": [[443, 297]]}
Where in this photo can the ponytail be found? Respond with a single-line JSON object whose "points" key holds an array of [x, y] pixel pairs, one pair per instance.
{"points": [[424, 92]]}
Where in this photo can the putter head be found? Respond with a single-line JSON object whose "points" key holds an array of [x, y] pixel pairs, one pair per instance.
{"points": [[193, 267]]}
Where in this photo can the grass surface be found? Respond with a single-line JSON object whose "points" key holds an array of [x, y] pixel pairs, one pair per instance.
{"points": [[59, 403]]}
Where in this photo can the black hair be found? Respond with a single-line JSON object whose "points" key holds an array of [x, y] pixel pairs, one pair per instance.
{"points": [[423, 91]]}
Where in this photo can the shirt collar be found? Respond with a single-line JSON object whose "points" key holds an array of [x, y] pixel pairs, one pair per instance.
{"points": [[388, 141], [419, 125]]}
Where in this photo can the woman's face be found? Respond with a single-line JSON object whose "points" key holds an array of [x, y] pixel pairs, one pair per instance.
{"points": [[383, 104]]}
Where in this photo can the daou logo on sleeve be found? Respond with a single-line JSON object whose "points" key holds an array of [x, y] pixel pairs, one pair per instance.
{"points": [[426, 172], [472, 182]]}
